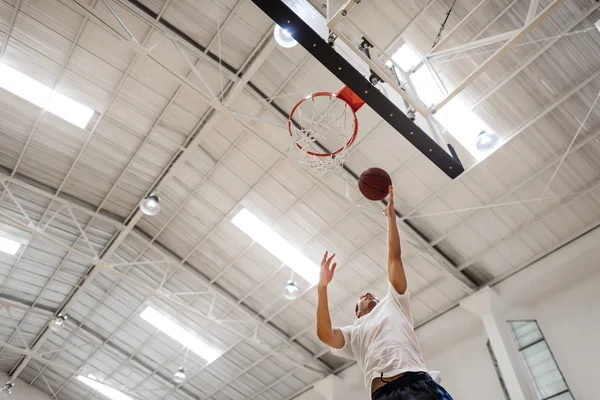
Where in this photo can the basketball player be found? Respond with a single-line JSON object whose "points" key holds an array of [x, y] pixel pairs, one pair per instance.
{"points": [[382, 340]]}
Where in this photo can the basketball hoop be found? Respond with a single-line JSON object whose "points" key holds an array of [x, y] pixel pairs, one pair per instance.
{"points": [[323, 126]]}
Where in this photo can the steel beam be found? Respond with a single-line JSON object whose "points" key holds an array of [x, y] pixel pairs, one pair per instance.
{"points": [[461, 23], [304, 34], [475, 44], [536, 55], [10, 27], [500, 52], [585, 191]]}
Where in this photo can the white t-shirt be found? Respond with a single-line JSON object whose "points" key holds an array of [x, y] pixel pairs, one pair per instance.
{"points": [[383, 340]]}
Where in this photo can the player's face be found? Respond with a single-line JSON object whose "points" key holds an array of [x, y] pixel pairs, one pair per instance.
{"points": [[366, 304]]}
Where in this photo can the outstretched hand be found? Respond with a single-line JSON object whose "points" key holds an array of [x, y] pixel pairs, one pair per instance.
{"points": [[327, 270], [389, 211]]}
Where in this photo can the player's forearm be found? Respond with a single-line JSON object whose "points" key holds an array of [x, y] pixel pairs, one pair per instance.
{"points": [[324, 327], [394, 250]]}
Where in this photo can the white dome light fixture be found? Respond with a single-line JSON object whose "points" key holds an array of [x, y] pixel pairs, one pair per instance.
{"points": [[284, 38], [150, 205], [57, 324], [179, 376], [290, 291], [6, 390], [487, 141]]}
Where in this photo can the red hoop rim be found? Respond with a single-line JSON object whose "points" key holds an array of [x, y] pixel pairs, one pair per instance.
{"points": [[325, 94]]}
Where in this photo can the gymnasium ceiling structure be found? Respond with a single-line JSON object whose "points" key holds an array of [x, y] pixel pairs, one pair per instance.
{"points": [[188, 99]]}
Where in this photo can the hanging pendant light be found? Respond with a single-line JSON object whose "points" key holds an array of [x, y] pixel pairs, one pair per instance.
{"points": [[150, 205], [6, 390], [179, 376], [284, 38], [290, 291], [486, 141], [57, 324]]}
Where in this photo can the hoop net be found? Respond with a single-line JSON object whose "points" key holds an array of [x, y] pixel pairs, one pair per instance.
{"points": [[323, 126]]}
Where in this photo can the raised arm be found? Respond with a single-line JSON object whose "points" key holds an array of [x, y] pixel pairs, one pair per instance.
{"points": [[395, 266], [325, 331]]}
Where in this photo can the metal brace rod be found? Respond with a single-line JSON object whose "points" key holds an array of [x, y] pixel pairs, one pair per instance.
{"points": [[531, 12], [500, 52], [462, 22], [120, 21], [501, 37]]}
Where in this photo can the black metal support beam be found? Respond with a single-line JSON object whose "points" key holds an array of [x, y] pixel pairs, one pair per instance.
{"points": [[344, 71]]}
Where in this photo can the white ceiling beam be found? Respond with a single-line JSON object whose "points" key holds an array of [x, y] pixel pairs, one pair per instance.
{"points": [[159, 26], [222, 25], [536, 55], [62, 200], [533, 5], [479, 34], [500, 52], [474, 44], [588, 189], [511, 137], [6, 303], [394, 43], [10, 27], [42, 112], [514, 187], [461, 23], [101, 264]]}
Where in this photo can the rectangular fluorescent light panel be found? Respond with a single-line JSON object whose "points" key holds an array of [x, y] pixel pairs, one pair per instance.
{"points": [[276, 245], [104, 390], [44, 97], [179, 334], [9, 246]]}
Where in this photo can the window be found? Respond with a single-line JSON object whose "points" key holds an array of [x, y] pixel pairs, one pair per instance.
{"points": [[9, 246], [455, 116], [44, 97], [541, 365], [405, 57]]}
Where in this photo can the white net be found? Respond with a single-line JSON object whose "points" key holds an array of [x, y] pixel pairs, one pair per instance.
{"points": [[323, 127]]}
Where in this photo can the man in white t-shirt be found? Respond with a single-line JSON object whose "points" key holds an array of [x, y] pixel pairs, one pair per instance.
{"points": [[382, 340]]}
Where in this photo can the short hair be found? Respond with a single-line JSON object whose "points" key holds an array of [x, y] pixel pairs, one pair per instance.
{"points": [[356, 308]]}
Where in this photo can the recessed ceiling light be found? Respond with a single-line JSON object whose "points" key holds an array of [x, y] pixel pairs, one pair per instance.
{"points": [[104, 390], [276, 245], [179, 334], [42, 96], [9, 246]]}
